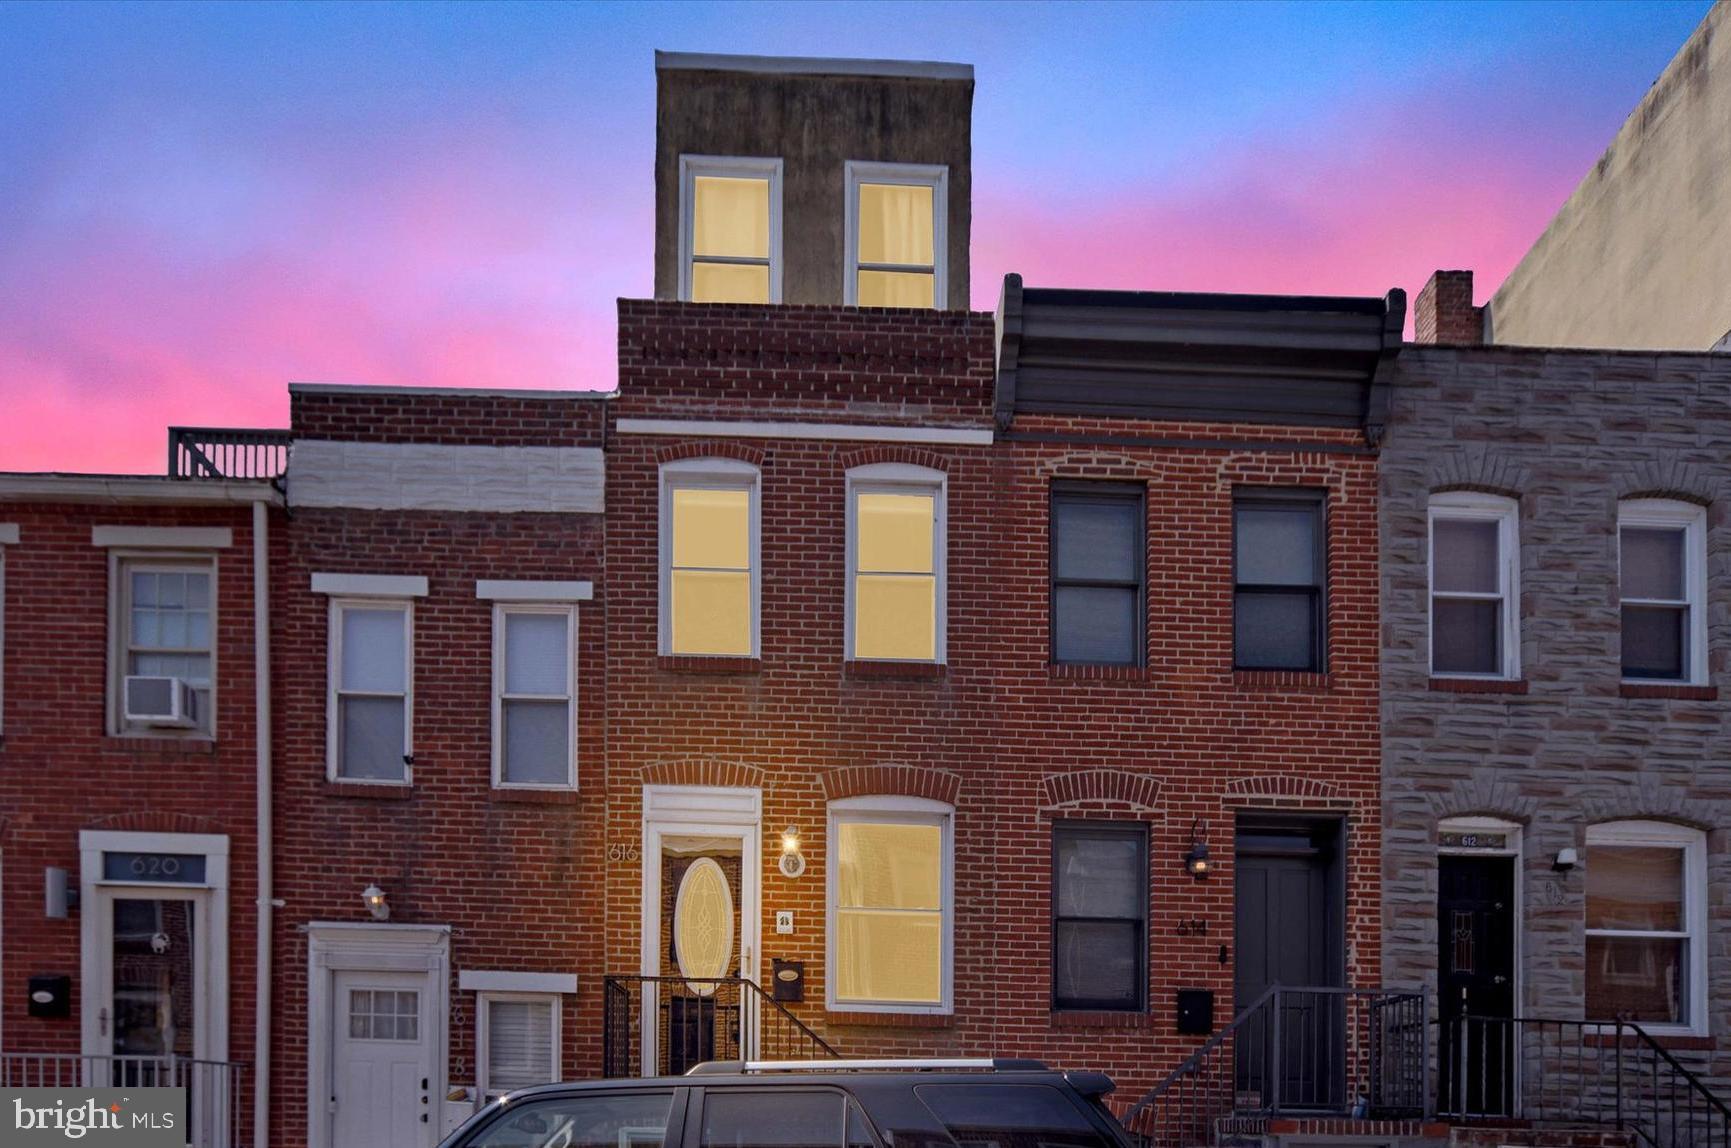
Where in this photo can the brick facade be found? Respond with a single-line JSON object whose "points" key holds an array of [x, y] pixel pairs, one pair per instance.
{"points": [[1568, 435]]}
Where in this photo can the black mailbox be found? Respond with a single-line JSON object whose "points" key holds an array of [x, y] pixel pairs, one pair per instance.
{"points": [[789, 980], [50, 996], [1195, 1012]]}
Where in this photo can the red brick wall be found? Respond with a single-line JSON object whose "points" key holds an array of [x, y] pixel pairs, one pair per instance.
{"points": [[1444, 311], [461, 419], [1008, 736], [514, 874], [61, 773]]}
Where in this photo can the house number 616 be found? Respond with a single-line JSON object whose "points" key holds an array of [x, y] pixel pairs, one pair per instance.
{"points": [[622, 853]]}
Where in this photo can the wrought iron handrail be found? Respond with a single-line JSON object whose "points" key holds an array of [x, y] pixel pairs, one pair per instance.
{"points": [[1146, 1110], [228, 452], [699, 1018], [1665, 1134]]}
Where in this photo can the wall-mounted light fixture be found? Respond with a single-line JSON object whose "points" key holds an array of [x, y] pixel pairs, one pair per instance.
{"points": [[1566, 860], [1196, 857], [59, 896], [373, 898], [792, 860]]}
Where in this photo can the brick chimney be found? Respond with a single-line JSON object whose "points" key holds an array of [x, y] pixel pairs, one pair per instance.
{"points": [[1444, 312]]}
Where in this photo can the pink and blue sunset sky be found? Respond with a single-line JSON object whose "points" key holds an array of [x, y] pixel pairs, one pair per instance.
{"points": [[201, 203]]}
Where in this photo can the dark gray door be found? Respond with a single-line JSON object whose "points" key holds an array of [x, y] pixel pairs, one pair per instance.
{"points": [[1288, 925]]}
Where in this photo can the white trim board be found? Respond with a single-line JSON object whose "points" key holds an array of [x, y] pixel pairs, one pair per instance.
{"points": [[371, 585], [435, 476], [502, 590], [487, 981], [841, 432], [182, 537], [361, 389], [128, 488]]}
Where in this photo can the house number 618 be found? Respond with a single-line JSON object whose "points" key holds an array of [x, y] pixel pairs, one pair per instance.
{"points": [[622, 853]]}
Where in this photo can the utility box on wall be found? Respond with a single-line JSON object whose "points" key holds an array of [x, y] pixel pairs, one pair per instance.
{"points": [[50, 996], [1195, 1012], [789, 980]]}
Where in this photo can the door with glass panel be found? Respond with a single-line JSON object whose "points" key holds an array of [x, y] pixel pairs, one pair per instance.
{"points": [[693, 1009], [381, 1065]]}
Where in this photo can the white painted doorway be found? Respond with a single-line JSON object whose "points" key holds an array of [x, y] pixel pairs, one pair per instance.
{"points": [[381, 1062]]}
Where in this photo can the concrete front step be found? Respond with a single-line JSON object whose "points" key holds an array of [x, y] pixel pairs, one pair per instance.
{"points": [[1540, 1136]]}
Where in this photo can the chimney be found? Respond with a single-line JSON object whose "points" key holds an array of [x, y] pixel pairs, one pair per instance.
{"points": [[1444, 312]]}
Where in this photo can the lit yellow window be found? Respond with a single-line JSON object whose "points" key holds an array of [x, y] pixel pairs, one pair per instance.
{"points": [[730, 240], [710, 571], [888, 944], [895, 576], [897, 257]]}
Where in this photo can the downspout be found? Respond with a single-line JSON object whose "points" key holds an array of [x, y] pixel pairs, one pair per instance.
{"points": [[262, 724]]}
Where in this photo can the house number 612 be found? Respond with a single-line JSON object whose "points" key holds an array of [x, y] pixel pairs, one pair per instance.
{"points": [[622, 853]]}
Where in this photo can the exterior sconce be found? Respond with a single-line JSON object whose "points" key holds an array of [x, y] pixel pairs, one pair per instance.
{"points": [[1196, 857], [792, 860], [1566, 860], [59, 897], [373, 898]]}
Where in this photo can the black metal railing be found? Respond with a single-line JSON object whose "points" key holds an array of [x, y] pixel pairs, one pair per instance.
{"points": [[1606, 1073], [216, 1093], [227, 452], [1296, 1051], [662, 1026]]}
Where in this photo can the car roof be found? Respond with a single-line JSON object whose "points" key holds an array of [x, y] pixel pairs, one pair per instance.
{"points": [[856, 1080]]}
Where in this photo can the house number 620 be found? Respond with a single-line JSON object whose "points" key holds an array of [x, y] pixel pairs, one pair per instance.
{"points": [[622, 853]]}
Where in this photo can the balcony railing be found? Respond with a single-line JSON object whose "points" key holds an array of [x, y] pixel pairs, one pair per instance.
{"points": [[662, 1026], [215, 1090], [227, 452]]}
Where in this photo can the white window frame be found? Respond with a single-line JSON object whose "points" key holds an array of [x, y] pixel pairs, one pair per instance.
{"points": [[880, 810], [727, 167], [708, 474], [484, 1001], [334, 690], [121, 564], [1691, 518], [568, 611], [1693, 844], [900, 478], [934, 176], [1472, 506]]}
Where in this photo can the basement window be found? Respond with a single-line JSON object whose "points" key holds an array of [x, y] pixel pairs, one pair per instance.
{"points": [[896, 234], [729, 230]]}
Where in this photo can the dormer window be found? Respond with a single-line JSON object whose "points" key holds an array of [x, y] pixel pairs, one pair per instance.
{"points": [[896, 234], [729, 230]]}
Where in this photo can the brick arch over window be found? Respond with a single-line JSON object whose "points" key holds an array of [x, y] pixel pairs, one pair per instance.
{"points": [[1285, 789], [908, 455], [1651, 800], [897, 780], [703, 771], [150, 821], [1480, 470], [1088, 786], [739, 451], [1668, 478], [1096, 465], [1483, 795]]}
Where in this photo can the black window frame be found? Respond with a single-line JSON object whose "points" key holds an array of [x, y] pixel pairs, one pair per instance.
{"points": [[1115, 493], [1313, 504], [1084, 827]]}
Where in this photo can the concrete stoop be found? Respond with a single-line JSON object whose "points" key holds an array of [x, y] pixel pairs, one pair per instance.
{"points": [[1540, 1136]]}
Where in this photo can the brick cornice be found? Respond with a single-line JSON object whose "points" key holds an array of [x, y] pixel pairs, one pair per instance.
{"points": [[895, 780], [703, 771], [1085, 786]]}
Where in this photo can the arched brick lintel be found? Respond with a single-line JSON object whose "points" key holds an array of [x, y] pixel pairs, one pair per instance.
{"points": [[1081, 786], [703, 771], [718, 448], [897, 780], [908, 455]]}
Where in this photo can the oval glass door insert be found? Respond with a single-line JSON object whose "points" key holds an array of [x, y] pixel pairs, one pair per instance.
{"points": [[703, 924]]}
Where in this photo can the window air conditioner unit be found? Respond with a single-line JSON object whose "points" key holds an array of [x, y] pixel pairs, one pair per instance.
{"points": [[160, 702]]}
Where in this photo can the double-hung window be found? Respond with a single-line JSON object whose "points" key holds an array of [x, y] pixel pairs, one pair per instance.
{"points": [[1662, 580], [517, 1044], [890, 891], [895, 563], [896, 225], [709, 558], [729, 230], [1474, 591], [371, 684], [1646, 907], [1279, 598], [1099, 571], [167, 634], [1099, 915], [534, 695]]}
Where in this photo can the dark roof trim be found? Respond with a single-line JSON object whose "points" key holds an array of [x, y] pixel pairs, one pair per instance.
{"points": [[1294, 360], [811, 66]]}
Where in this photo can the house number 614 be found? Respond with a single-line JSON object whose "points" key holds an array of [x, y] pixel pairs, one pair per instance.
{"points": [[622, 853]]}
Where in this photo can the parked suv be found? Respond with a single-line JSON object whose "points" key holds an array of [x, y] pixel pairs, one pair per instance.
{"points": [[814, 1104]]}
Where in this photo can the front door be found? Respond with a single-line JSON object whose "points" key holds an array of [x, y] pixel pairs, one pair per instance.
{"points": [[1475, 978], [1290, 933], [381, 1064], [698, 1011]]}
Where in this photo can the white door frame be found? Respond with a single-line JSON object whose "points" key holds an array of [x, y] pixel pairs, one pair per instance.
{"points": [[338, 946], [210, 1014], [703, 811]]}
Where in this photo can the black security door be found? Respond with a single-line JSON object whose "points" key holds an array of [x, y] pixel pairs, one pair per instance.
{"points": [[1290, 933], [1476, 979]]}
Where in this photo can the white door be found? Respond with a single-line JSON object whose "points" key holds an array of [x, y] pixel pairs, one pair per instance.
{"points": [[381, 1063]]}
